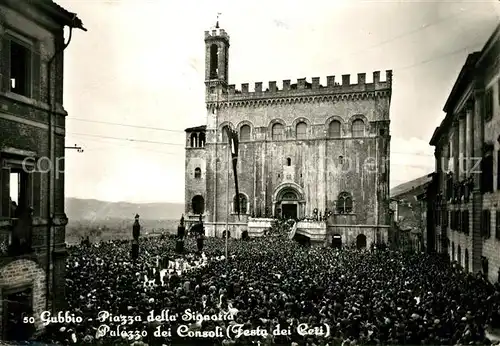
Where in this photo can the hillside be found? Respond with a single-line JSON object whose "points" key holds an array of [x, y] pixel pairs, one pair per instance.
{"points": [[102, 220], [93, 210]]}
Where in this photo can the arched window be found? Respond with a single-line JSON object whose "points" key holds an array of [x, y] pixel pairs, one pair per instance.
{"points": [[224, 133], [344, 203], [452, 250], [243, 204], [214, 61], [198, 204], [459, 255], [358, 128], [245, 133], [194, 140], [288, 161], [197, 172], [278, 132], [301, 130], [201, 140], [334, 129]]}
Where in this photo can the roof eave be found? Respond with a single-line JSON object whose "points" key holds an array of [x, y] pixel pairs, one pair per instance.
{"points": [[63, 16]]}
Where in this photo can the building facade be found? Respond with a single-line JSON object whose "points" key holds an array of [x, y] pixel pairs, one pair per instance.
{"points": [[409, 213], [32, 137], [464, 195], [305, 149]]}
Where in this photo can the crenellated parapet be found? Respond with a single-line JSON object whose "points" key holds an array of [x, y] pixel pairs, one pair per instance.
{"points": [[216, 33], [303, 87]]}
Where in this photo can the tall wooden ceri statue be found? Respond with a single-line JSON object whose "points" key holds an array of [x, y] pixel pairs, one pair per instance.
{"points": [[200, 235], [136, 232], [181, 230]]}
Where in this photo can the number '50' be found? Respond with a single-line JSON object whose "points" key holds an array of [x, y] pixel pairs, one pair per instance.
{"points": [[27, 319]]}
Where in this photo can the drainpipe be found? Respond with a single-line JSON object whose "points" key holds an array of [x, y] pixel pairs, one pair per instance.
{"points": [[51, 182]]}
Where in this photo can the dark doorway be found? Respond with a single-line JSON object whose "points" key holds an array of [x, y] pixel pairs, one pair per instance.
{"points": [[289, 211], [17, 304], [228, 234], [361, 241], [244, 235], [302, 239], [198, 204], [337, 241]]}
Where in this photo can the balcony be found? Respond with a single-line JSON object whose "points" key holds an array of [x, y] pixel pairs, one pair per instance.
{"points": [[15, 240]]}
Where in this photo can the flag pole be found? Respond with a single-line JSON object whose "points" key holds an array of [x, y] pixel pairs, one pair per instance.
{"points": [[227, 193]]}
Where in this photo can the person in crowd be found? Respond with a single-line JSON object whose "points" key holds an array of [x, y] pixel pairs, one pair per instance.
{"points": [[380, 297]]}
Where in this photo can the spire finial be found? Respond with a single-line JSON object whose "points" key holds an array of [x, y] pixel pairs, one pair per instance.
{"points": [[217, 23]]}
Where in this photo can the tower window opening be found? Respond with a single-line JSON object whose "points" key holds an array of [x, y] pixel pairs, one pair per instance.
{"points": [[288, 161], [214, 61], [20, 69]]}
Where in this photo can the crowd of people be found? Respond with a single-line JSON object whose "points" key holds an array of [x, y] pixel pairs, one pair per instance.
{"points": [[370, 297]]}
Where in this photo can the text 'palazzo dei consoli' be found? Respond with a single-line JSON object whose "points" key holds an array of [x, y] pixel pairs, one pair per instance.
{"points": [[304, 148]]}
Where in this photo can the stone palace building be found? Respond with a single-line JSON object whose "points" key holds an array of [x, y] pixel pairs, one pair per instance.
{"points": [[32, 129], [303, 147], [464, 197]]}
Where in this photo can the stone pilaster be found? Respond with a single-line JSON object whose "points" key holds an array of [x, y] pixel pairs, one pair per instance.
{"points": [[461, 145], [455, 149], [469, 142], [478, 134], [477, 197]]}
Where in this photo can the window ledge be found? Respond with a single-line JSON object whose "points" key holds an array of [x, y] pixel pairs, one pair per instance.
{"points": [[242, 214], [34, 103]]}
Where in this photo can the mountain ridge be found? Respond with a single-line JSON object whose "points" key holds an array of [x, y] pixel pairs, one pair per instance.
{"points": [[81, 209]]}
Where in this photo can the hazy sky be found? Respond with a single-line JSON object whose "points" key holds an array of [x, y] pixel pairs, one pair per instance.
{"points": [[141, 63]]}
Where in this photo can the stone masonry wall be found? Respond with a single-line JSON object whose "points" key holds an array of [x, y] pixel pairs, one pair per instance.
{"points": [[24, 272], [24, 125]]}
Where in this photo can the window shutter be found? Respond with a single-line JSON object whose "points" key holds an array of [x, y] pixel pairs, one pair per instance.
{"points": [[498, 169], [5, 192], [5, 64], [488, 104], [468, 222], [497, 228], [35, 75]]}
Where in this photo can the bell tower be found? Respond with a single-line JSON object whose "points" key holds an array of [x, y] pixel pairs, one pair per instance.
{"points": [[216, 63]]}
